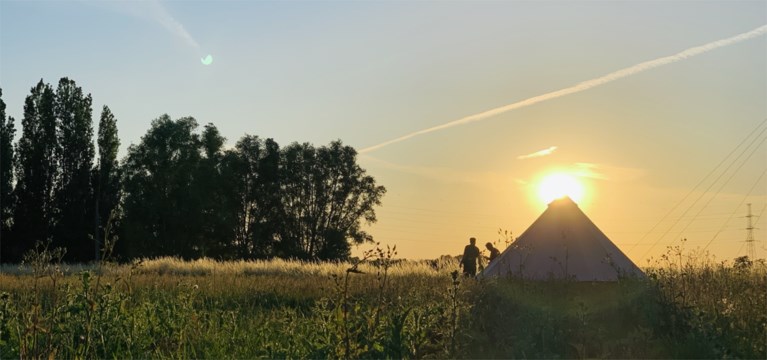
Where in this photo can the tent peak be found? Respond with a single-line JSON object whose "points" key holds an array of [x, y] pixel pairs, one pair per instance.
{"points": [[562, 201]]}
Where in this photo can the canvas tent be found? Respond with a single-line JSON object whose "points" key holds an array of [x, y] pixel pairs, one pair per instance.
{"points": [[563, 243]]}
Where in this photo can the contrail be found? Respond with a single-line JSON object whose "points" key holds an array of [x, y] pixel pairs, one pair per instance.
{"points": [[540, 153], [588, 84], [162, 16], [151, 10]]}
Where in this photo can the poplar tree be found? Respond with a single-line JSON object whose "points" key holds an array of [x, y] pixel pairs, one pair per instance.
{"points": [[75, 154], [36, 172], [7, 132], [106, 180]]}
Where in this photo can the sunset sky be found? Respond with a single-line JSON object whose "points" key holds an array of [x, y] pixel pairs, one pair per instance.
{"points": [[370, 72]]}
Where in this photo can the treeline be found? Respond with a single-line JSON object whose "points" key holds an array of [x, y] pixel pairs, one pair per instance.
{"points": [[178, 192]]}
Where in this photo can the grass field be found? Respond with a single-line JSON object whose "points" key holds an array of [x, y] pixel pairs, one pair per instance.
{"points": [[378, 308]]}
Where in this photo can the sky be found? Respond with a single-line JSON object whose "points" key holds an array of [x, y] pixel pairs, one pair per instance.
{"points": [[669, 150]]}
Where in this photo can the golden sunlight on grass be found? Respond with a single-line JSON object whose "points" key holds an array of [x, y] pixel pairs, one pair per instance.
{"points": [[558, 185]]}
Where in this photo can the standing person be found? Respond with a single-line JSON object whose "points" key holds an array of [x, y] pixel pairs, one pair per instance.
{"points": [[470, 257], [494, 253]]}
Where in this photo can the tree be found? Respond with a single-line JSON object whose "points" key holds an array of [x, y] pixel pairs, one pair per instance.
{"points": [[251, 173], [161, 211], [106, 180], [216, 220], [7, 132], [75, 153], [36, 172], [325, 198]]}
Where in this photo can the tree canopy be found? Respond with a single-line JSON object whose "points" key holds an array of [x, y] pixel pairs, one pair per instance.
{"points": [[178, 192]]}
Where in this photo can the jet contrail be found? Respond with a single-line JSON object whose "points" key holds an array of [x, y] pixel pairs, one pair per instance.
{"points": [[536, 154], [160, 14], [151, 10], [588, 84]]}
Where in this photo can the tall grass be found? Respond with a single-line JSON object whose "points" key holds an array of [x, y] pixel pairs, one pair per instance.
{"points": [[375, 307], [207, 266], [717, 307]]}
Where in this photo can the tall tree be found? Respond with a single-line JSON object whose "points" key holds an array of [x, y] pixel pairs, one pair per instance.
{"points": [[325, 197], [161, 211], [75, 153], [251, 172], [7, 132], [106, 180], [217, 219], [36, 172]]}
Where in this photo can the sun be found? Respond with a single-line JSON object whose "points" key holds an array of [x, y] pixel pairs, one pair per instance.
{"points": [[559, 185]]}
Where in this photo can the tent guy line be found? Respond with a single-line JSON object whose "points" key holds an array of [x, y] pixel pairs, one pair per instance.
{"points": [[585, 85]]}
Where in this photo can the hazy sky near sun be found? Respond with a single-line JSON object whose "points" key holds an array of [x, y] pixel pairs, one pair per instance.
{"points": [[369, 72]]}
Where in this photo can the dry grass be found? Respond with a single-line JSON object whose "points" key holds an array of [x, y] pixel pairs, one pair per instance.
{"points": [[689, 306]]}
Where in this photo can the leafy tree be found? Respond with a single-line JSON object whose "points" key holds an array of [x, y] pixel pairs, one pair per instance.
{"points": [[7, 132], [215, 219], [251, 173], [325, 197], [183, 194], [75, 153], [36, 171], [161, 210], [106, 179]]}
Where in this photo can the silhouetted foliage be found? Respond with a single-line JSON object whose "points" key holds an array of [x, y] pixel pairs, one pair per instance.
{"points": [[215, 221], [36, 172], [252, 176], [177, 192], [161, 211], [106, 179], [325, 197], [7, 132], [75, 152]]}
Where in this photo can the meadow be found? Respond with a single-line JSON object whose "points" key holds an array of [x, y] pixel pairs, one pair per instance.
{"points": [[375, 307]]}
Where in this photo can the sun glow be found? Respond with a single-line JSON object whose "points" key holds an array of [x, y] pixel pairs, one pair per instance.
{"points": [[559, 185]]}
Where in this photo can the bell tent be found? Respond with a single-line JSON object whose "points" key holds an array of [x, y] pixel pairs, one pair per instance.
{"points": [[563, 243]]}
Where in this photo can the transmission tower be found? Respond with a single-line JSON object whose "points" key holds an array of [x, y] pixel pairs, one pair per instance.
{"points": [[749, 235]]}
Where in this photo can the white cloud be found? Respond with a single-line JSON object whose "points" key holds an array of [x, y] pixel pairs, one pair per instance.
{"points": [[539, 153]]}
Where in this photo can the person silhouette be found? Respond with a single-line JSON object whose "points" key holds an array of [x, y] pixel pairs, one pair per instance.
{"points": [[494, 253], [469, 258]]}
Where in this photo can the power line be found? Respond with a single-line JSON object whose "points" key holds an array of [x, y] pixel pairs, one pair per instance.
{"points": [[760, 213], [736, 209], [714, 170], [719, 190]]}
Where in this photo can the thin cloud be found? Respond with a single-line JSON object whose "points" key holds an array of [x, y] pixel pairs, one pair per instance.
{"points": [[536, 154], [522, 182], [607, 172], [631, 70], [443, 174]]}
